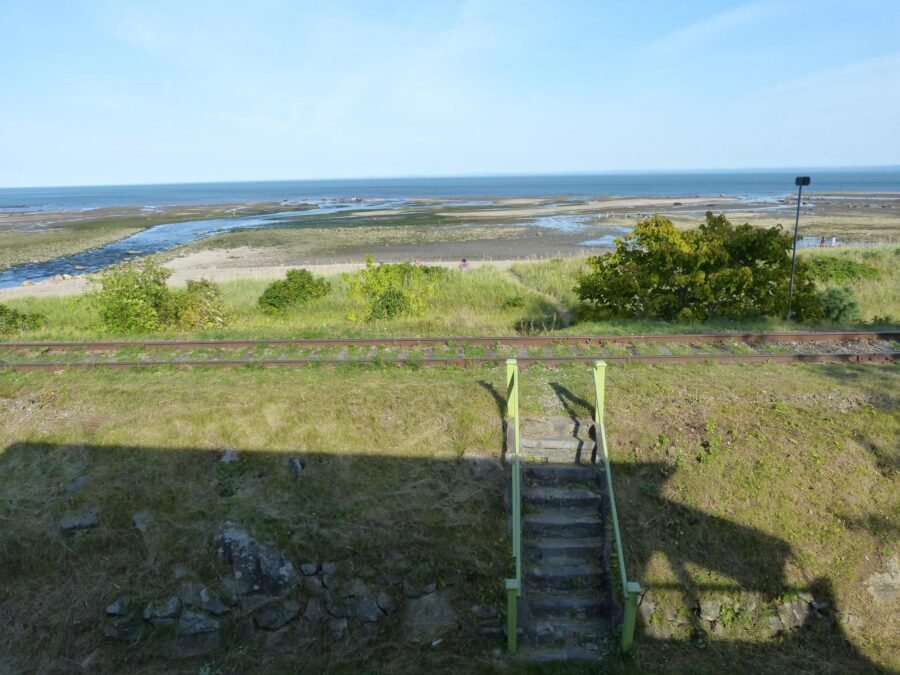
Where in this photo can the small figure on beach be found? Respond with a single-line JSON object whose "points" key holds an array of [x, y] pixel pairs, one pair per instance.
{"points": [[463, 265], [822, 243]]}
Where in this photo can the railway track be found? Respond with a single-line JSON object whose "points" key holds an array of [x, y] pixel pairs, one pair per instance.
{"points": [[794, 347]]}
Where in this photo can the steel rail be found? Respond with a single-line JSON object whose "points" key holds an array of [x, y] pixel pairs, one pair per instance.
{"points": [[508, 340], [525, 361]]}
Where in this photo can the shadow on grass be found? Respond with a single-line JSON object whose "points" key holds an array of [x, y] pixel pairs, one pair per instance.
{"points": [[391, 521]]}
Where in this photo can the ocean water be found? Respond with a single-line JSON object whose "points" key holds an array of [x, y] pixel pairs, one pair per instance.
{"points": [[763, 189], [756, 185]]}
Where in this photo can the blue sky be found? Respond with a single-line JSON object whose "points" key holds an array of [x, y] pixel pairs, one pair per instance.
{"points": [[103, 92]]}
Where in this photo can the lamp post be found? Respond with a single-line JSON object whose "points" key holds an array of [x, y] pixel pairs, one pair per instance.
{"points": [[799, 181]]}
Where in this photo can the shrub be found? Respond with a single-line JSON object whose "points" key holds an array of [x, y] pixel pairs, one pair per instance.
{"points": [[839, 305], [132, 296], [388, 291], [297, 288], [717, 270], [199, 305], [839, 270], [13, 321]]}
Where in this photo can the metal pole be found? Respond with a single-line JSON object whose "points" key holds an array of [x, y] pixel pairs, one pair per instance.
{"points": [[799, 182]]}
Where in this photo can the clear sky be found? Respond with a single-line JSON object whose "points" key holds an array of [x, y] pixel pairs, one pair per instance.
{"points": [[107, 92]]}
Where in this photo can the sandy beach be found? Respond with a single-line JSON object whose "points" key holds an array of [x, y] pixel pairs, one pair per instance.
{"points": [[219, 266]]}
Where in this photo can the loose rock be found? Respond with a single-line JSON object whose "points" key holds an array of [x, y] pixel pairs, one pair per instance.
{"points": [[123, 628], [164, 613], [141, 521], [429, 617], [367, 610], [885, 587], [709, 610], [72, 524], [197, 595], [385, 603], [194, 623], [257, 568], [229, 456], [308, 569], [274, 617], [118, 607], [795, 614], [297, 466], [77, 486]]}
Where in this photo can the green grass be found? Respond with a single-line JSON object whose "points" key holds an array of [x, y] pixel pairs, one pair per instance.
{"points": [[529, 298], [752, 480]]}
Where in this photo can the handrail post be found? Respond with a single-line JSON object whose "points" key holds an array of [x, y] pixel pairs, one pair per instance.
{"points": [[512, 618], [631, 590], [600, 388], [514, 586]]}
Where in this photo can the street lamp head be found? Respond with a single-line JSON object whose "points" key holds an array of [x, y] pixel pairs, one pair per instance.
{"points": [[801, 180]]}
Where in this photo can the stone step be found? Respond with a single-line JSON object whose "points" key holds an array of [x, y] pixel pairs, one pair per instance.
{"points": [[570, 632], [539, 456], [565, 604], [568, 497], [556, 443], [576, 577], [554, 522], [558, 474], [555, 427], [568, 550], [557, 655]]}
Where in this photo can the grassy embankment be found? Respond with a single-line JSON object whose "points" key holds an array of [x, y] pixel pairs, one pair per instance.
{"points": [[742, 483], [529, 297], [68, 234]]}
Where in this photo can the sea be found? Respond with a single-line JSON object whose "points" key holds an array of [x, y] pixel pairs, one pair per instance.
{"points": [[329, 197], [751, 185]]}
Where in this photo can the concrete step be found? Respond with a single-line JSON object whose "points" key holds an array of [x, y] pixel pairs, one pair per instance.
{"points": [[557, 655], [581, 578], [555, 427], [564, 496], [565, 605], [554, 522], [559, 474], [556, 443], [564, 550], [569, 632], [540, 456]]}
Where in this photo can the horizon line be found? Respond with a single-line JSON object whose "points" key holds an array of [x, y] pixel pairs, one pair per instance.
{"points": [[616, 172]]}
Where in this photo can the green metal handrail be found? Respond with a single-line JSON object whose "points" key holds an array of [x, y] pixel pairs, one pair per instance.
{"points": [[630, 589], [514, 586]]}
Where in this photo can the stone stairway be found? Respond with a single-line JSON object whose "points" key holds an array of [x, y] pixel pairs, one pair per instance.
{"points": [[566, 609]]}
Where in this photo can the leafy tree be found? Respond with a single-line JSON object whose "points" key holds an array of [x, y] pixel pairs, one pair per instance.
{"points": [[717, 270], [387, 291], [297, 288]]}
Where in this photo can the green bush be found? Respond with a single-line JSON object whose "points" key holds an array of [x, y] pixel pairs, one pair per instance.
{"points": [[134, 297], [13, 321], [199, 305], [839, 270], [387, 291], [717, 270], [839, 305], [297, 288]]}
